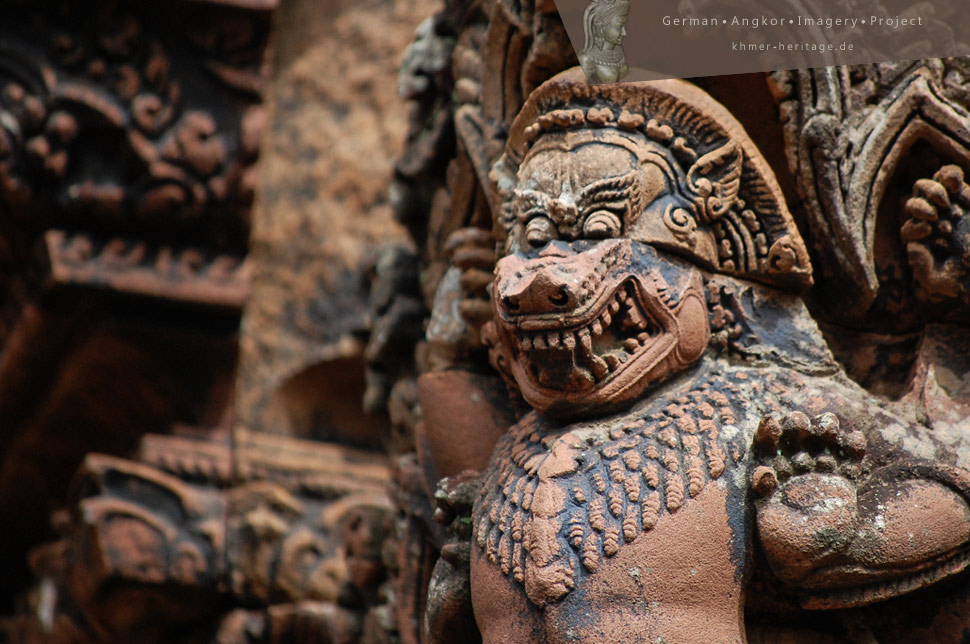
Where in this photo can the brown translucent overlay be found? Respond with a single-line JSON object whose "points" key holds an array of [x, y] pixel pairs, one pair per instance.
{"points": [[626, 40]]}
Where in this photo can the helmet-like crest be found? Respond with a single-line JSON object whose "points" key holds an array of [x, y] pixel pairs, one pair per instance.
{"points": [[721, 207]]}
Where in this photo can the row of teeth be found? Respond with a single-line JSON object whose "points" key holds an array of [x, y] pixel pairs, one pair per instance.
{"points": [[600, 366]]}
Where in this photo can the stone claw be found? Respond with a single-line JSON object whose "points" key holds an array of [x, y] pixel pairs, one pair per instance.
{"points": [[768, 435], [797, 423], [764, 481], [806, 490], [937, 235], [453, 500], [796, 445], [458, 554]]}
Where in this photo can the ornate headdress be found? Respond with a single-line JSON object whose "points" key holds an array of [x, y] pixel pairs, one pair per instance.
{"points": [[734, 219]]}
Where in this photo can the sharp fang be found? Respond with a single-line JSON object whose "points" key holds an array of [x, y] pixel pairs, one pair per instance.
{"points": [[539, 342], [597, 328], [553, 340], [643, 337], [611, 361], [596, 363], [631, 345], [634, 316], [600, 368]]}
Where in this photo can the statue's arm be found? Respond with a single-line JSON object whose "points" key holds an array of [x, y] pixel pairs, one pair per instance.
{"points": [[844, 536]]}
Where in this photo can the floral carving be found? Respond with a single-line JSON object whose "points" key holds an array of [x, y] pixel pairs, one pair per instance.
{"points": [[99, 132]]}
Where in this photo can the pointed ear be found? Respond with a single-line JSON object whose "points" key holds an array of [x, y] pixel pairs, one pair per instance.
{"points": [[715, 180]]}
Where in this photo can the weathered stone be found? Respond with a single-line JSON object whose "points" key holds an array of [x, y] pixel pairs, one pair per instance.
{"points": [[584, 289], [335, 124]]}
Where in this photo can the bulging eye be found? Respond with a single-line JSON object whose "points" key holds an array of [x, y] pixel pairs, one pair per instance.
{"points": [[540, 231], [602, 225]]}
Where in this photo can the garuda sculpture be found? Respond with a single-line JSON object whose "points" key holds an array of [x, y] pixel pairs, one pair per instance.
{"points": [[690, 433]]}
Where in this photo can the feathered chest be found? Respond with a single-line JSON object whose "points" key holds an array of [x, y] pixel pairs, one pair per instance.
{"points": [[556, 502]]}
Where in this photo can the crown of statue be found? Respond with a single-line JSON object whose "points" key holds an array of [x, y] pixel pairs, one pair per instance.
{"points": [[737, 221], [610, 6]]}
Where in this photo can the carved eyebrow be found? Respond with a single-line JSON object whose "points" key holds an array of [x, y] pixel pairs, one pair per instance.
{"points": [[525, 201], [613, 193]]}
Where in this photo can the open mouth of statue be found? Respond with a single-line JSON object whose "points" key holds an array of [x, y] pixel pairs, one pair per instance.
{"points": [[588, 352]]}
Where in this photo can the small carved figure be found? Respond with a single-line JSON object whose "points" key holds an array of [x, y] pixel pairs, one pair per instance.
{"points": [[602, 56]]}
